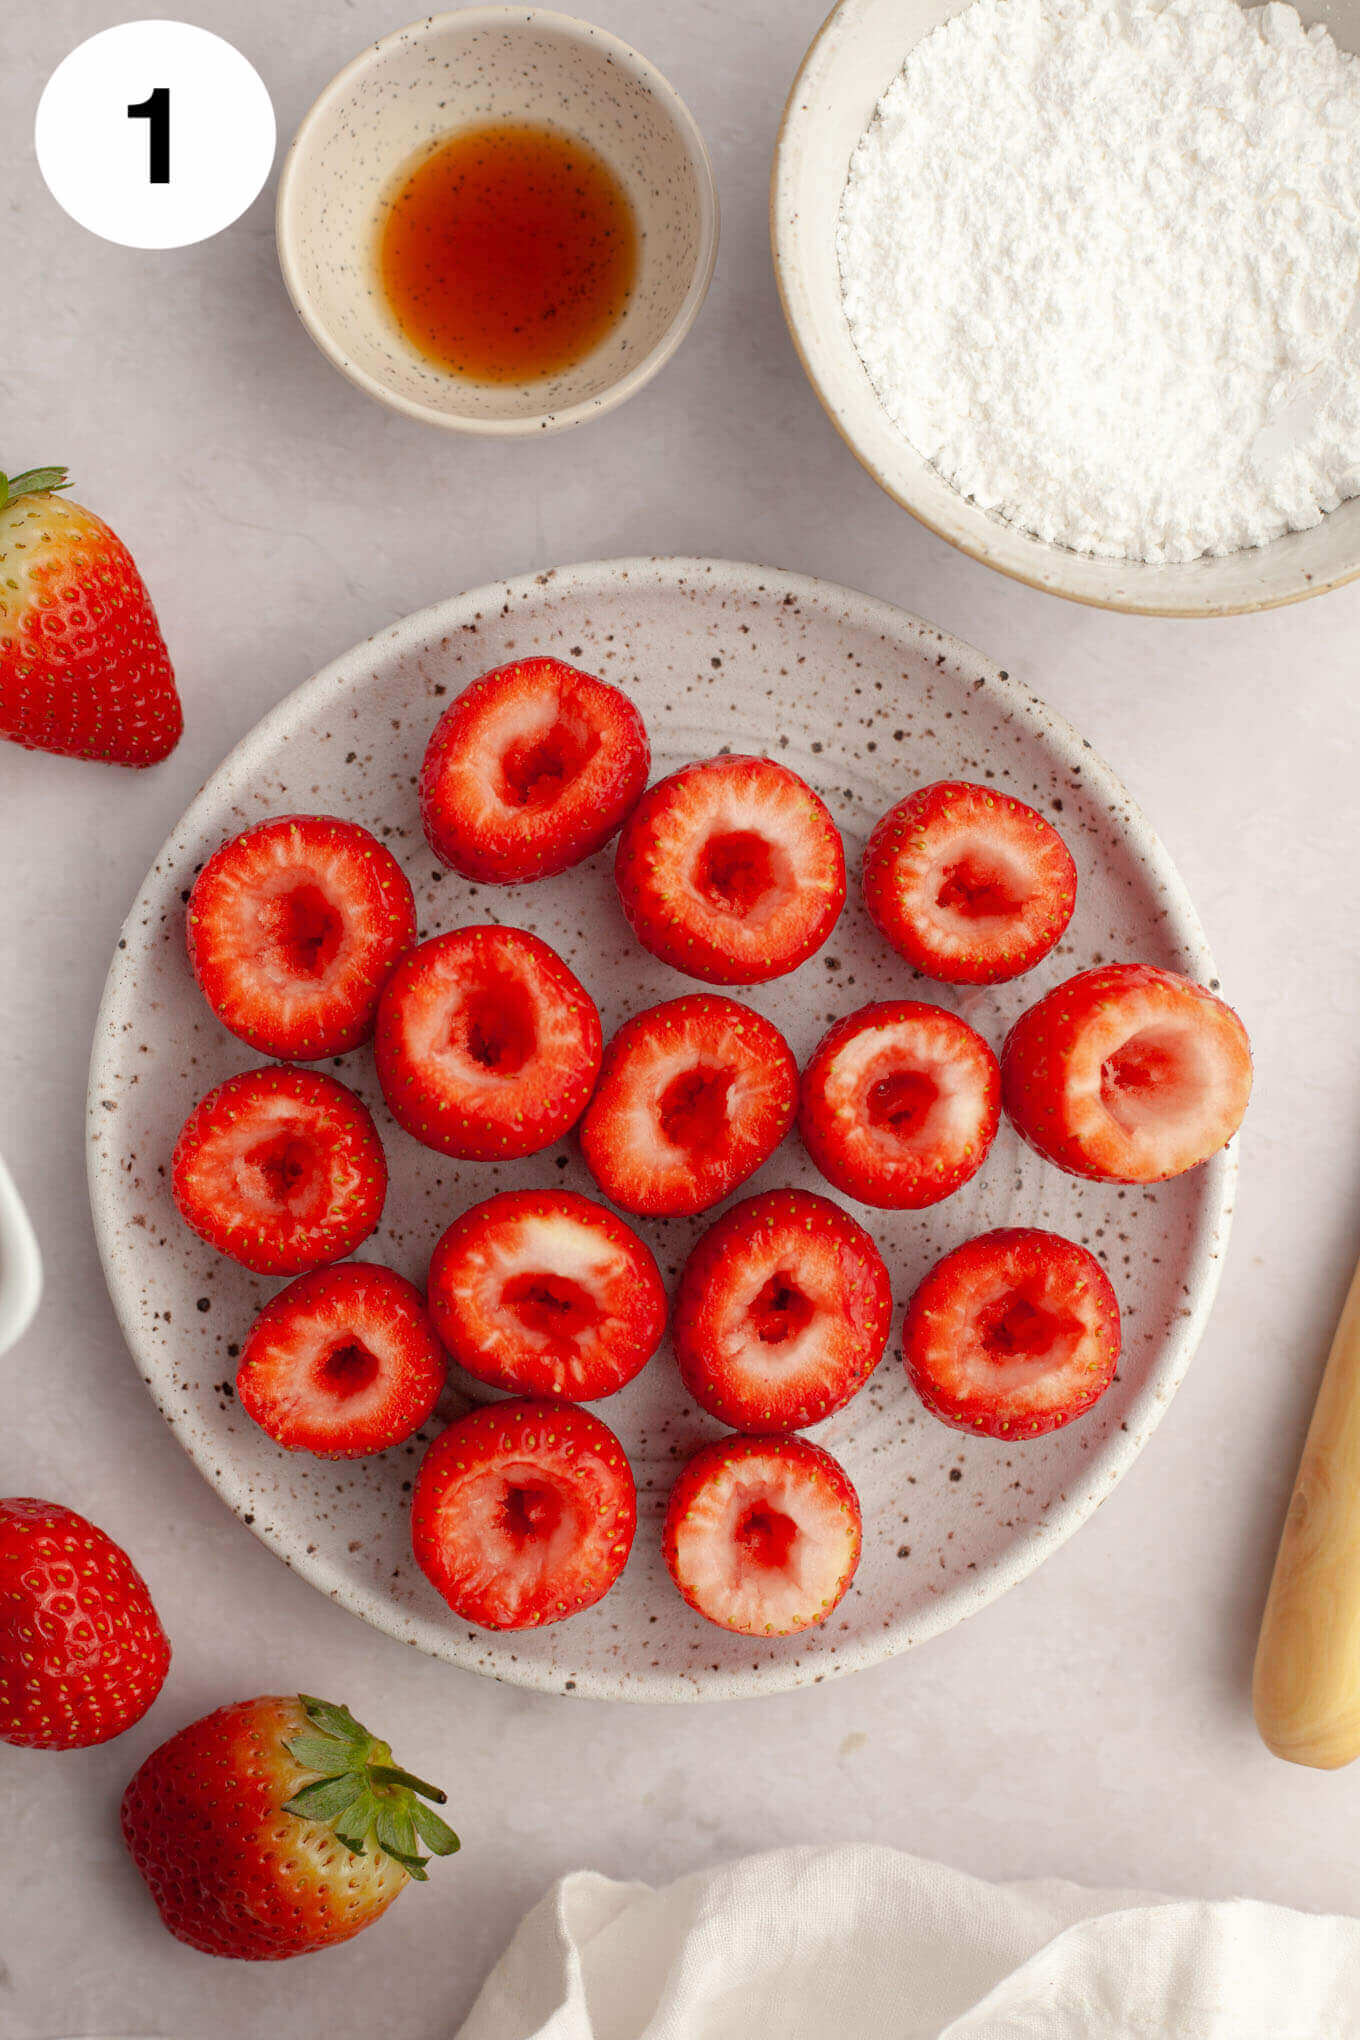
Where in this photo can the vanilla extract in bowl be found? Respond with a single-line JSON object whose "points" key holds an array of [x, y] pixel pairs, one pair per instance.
{"points": [[507, 252]]}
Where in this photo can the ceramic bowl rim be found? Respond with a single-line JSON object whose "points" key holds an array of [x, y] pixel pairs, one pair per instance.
{"points": [[573, 29]]}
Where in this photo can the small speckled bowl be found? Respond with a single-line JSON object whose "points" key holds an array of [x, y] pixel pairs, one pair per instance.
{"points": [[460, 70]]}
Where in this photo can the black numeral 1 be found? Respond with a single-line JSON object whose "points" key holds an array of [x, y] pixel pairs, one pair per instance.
{"points": [[156, 111]]}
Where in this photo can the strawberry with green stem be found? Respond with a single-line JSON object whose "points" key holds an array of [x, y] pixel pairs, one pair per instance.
{"points": [[278, 1826], [83, 667]]}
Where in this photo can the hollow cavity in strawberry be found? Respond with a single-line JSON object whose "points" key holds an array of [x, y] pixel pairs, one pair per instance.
{"points": [[782, 1312], [1127, 1073], [968, 884], [546, 1293], [530, 769], [523, 1513], [1013, 1334], [731, 870], [762, 1535], [487, 1046], [294, 927], [343, 1362], [693, 1096], [899, 1104], [282, 1169]]}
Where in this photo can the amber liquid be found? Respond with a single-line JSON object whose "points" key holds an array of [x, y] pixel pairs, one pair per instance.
{"points": [[508, 253]]}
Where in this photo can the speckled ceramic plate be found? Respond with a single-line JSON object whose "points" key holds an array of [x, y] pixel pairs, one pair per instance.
{"points": [[866, 702]]}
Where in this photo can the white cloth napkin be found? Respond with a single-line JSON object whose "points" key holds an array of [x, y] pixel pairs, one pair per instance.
{"points": [[866, 1943]]}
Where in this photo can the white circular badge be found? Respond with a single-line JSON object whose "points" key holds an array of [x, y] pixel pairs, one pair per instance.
{"points": [[155, 134]]}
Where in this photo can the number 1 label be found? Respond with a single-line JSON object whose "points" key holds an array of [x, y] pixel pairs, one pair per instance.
{"points": [[155, 111], [104, 141]]}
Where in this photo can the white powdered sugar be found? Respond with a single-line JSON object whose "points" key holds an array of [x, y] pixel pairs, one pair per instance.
{"points": [[1101, 260]]}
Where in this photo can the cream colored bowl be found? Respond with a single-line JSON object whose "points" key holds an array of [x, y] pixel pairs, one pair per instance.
{"points": [[860, 48], [452, 71]]}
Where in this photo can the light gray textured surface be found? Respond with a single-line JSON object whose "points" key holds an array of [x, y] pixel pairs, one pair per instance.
{"points": [[1094, 1724]]}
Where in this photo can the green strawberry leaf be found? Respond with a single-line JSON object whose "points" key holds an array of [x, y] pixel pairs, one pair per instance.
{"points": [[334, 1720], [436, 1834], [324, 1753], [368, 1802], [328, 1797], [36, 482], [396, 1831], [356, 1823]]}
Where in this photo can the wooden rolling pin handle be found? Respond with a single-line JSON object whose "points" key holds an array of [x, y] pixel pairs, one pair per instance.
{"points": [[1306, 1690]]}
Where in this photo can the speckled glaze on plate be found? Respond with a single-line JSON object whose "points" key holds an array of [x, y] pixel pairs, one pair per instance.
{"points": [[866, 702], [452, 71]]}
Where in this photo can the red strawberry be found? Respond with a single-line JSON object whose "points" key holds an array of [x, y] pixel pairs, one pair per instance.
{"points": [[82, 1651], [1013, 1334], [294, 927], [968, 884], [83, 666], [762, 1535], [900, 1104], [782, 1313], [487, 1046], [281, 1169], [531, 769], [1127, 1073], [547, 1294], [732, 870], [276, 1827], [342, 1362], [693, 1096], [523, 1513]]}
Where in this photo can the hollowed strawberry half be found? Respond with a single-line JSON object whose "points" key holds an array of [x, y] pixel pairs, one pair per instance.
{"points": [[968, 884], [1013, 1334], [547, 1294], [1128, 1073], [293, 928], [280, 1169], [342, 1362], [531, 769], [899, 1104], [523, 1513], [762, 1535], [487, 1046], [732, 870], [782, 1313], [693, 1096]]}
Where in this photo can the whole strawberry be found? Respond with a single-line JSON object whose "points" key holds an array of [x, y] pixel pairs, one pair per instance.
{"points": [[277, 1826], [83, 666], [82, 1651]]}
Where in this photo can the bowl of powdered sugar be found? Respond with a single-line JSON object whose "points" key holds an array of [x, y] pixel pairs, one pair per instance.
{"points": [[1079, 283]]}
